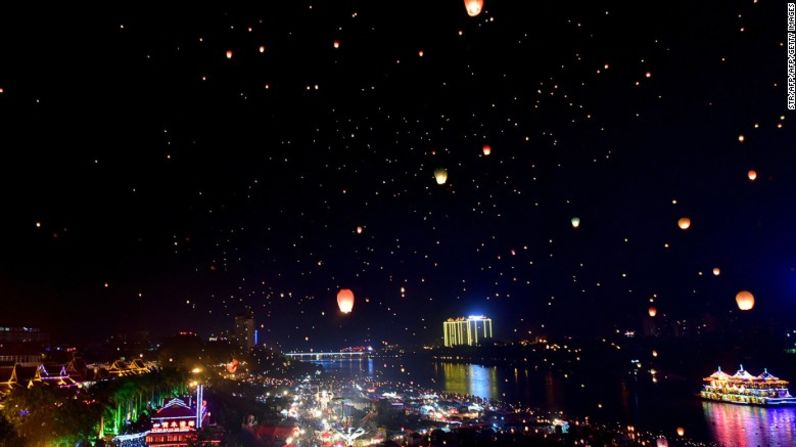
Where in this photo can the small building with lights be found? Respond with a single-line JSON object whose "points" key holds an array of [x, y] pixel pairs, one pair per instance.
{"points": [[176, 424]]}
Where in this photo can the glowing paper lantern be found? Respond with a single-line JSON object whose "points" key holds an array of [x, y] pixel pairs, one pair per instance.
{"points": [[345, 300], [652, 311], [359, 230], [684, 223], [680, 431], [575, 221], [473, 7], [232, 366], [662, 442], [336, 44], [752, 174], [441, 175], [745, 300], [716, 271], [229, 54], [487, 149]]}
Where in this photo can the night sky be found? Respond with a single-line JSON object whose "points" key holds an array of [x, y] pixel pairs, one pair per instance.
{"points": [[166, 170]]}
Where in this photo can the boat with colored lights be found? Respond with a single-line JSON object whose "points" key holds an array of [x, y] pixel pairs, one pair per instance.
{"points": [[746, 389]]}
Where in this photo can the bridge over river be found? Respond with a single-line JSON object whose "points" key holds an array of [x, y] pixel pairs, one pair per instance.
{"points": [[313, 356]]}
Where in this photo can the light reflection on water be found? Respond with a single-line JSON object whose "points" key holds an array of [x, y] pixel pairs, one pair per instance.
{"points": [[748, 426], [654, 408], [475, 380]]}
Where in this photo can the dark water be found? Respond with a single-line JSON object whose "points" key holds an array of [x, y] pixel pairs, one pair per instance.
{"points": [[658, 407]]}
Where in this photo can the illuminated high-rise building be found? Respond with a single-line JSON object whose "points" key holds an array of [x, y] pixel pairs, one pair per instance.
{"points": [[244, 331], [470, 331]]}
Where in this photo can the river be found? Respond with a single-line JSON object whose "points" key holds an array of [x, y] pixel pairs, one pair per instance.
{"points": [[658, 407]]}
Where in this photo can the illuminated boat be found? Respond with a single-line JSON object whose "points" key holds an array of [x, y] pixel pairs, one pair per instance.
{"points": [[746, 389]]}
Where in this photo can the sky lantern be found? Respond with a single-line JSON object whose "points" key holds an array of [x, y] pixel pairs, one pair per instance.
{"points": [[652, 311], [441, 175], [345, 300], [336, 44], [229, 54], [752, 174], [716, 271], [684, 223], [359, 229], [745, 300], [232, 366], [487, 149], [680, 431], [661, 442], [575, 221], [473, 7]]}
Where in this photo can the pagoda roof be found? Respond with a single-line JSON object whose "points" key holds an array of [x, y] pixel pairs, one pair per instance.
{"points": [[8, 374], [175, 409], [767, 376], [743, 374], [720, 375]]}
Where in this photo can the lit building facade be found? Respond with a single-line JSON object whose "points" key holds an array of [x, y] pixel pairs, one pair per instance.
{"points": [[176, 424], [244, 331], [470, 331]]}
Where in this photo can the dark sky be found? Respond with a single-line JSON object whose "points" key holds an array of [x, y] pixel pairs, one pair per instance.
{"points": [[151, 182]]}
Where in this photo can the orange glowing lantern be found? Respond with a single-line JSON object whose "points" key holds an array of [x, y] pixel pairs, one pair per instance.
{"points": [[661, 442], [233, 366], [441, 175], [652, 311], [487, 149], [684, 223], [473, 7], [359, 230], [745, 300], [716, 271], [752, 175], [345, 300], [229, 54], [680, 431]]}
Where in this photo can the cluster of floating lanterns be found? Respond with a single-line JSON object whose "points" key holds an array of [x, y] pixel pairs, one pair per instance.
{"points": [[744, 299]]}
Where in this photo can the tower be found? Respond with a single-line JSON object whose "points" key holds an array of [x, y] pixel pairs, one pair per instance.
{"points": [[244, 331]]}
